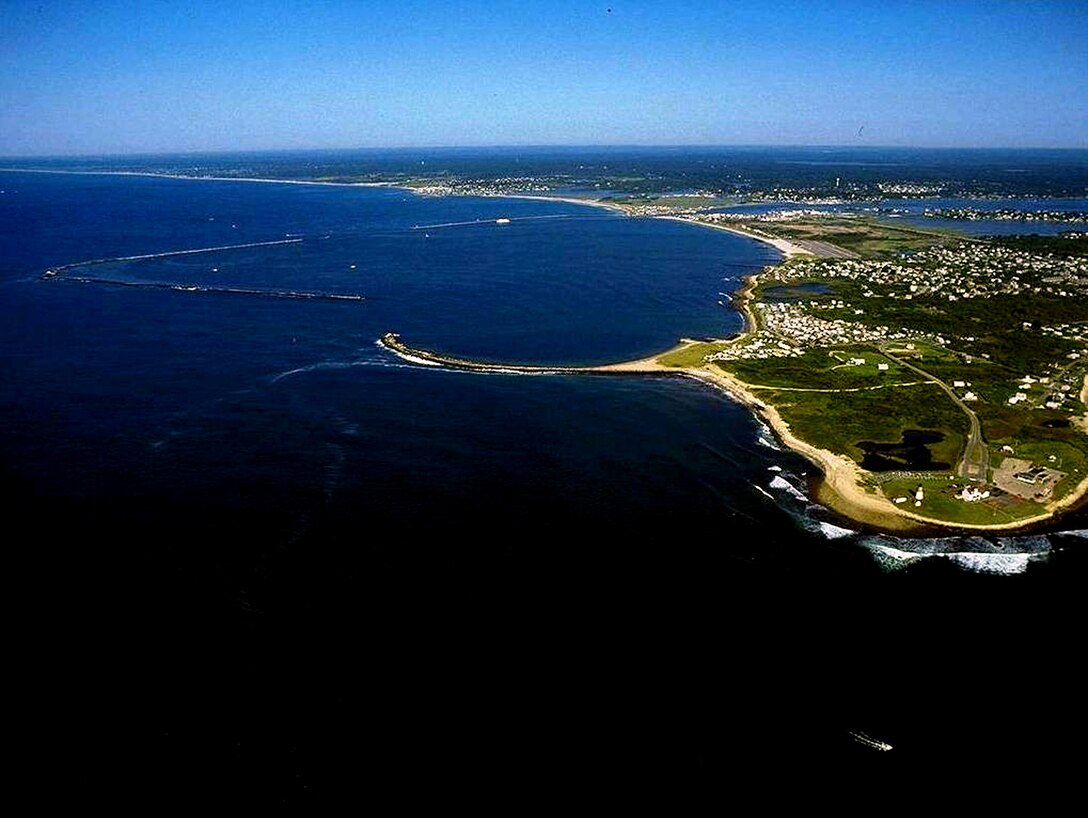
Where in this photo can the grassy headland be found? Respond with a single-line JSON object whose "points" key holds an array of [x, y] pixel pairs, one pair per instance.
{"points": [[933, 379]]}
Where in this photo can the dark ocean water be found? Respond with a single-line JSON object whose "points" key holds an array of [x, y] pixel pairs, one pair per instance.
{"points": [[257, 555]]}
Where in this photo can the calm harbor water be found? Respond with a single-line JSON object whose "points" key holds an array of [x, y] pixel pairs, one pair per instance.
{"points": [[273, 556]]}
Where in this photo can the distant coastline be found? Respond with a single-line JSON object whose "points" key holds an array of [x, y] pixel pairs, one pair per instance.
{"points": [[153, 175]]}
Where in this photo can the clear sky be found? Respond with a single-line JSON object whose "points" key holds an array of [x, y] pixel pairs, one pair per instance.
{"points": [[94, 76]]}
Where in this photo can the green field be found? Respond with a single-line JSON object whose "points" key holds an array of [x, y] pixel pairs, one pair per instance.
{"points": [[866, 237], [838, 421], [822, 369], [694, 355], [990, 342], [940, 503]]}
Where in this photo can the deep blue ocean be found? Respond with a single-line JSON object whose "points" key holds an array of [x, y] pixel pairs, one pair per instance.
{"points": [[256, 553]]}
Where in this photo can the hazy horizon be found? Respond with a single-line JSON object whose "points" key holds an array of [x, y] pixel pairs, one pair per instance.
{"points": [[573, 148]]}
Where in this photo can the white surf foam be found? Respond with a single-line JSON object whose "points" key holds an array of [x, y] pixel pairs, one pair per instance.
{"points": [[990, 563], [834, 532], [782, 484], [893, 558], [1081, 533], [763, 491], [766, 436]]}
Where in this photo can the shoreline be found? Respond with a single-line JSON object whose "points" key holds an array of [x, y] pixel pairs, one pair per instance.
{"points": [[153, 175], [785, 247], [564, 199], [838, 487]]}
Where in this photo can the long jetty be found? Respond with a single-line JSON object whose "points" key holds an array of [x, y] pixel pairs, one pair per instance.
{"points": [[56, 270], [425, 357]]}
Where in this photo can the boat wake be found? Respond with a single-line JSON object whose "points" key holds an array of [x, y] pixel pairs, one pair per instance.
{"points": [[321, 366], [60, 271], [870, 742], [70, 273]]}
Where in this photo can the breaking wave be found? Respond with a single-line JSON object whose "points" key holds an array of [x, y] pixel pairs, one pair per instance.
{"points": [[991, 563], [766, 436], [1001, 555], [782, 484], [834, 532]]}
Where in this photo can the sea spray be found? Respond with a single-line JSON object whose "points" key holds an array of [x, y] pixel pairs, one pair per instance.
{"points": [[1006, 555], [780, 483]]}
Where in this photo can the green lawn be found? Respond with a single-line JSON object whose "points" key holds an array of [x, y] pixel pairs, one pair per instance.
{"points": [[694, 355], [940, 503], [821, 369]]}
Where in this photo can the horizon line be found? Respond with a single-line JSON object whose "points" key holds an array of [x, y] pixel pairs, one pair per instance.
{"points": [[527, 146]]}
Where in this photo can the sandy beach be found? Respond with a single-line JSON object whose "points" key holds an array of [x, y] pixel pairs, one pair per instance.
{"points": [[152, 175], [841, 487], [787, 247], [567, 199]]}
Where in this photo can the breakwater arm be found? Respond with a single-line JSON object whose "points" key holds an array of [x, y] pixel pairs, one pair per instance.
{"points": [[392, 342]]}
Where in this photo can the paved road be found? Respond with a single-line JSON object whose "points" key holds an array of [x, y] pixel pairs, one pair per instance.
{"points": [[976, 454], [824, 249]]}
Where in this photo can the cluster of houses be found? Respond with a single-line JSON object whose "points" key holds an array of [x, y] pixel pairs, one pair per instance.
{"points": [[759, 345], [501, 186], [787, 330], [1070, 332], [773, 216], [909, 189], [1006, 215], [966, 271], [1052, 395]]}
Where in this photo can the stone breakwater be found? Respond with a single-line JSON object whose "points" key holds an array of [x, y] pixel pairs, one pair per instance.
{"points": [[841, 487]]}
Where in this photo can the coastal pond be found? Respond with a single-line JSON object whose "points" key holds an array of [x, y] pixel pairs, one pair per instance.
{"points": [[912, 453], [795, 292]]}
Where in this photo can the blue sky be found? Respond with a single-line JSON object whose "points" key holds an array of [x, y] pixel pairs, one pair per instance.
{"points": [[105, 77]]}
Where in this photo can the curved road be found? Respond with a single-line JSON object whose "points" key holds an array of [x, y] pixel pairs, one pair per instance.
{"points": [[976, 454]]}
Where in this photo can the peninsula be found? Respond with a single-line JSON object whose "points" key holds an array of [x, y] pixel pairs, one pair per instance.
{"points": [[934, 380]]}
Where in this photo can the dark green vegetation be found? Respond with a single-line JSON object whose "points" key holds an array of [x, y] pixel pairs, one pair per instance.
{"points": [[995, 323], [1014, 329], [1062, 246], [823, 369], [838, 421], [674, 202], [794, 291]]}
